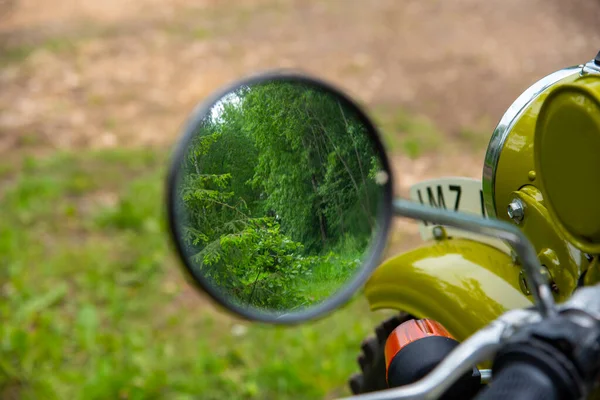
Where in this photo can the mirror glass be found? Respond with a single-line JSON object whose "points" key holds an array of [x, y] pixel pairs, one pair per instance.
{"points": [[278, 195]]}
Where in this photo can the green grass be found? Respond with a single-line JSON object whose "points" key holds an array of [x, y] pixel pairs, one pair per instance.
{"points": [[410, 134], [475, 139], [91, 298], [19, 53]]}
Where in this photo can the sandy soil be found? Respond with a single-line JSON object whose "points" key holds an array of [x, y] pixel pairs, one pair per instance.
{"points": [[87, 73]]}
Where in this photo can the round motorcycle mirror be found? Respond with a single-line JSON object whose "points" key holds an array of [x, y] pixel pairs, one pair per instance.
{"points": [[279, 197]]}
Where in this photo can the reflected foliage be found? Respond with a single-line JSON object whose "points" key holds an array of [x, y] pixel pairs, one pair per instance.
{"points": [[279, 195]]}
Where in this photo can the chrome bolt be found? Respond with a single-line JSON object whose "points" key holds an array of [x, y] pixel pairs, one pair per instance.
{"points": [[514, 258], [516, 210], [523, 283], [438, 233]]}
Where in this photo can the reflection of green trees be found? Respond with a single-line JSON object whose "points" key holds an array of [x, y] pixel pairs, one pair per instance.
{"points": [[278, 195]]}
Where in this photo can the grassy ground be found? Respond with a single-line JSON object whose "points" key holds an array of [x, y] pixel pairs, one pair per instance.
{"points": [[93, 306]]}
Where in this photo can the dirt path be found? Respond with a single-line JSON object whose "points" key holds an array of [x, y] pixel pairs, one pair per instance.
{"points": [[82, 73], [86, 73]]}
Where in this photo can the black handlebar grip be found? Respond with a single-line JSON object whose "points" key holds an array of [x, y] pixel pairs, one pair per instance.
{"points": [[520, 381]]}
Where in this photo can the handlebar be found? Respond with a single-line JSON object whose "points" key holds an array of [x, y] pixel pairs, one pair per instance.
{"points": [[551, 358], [520, 381], [556, 358], [481, 346]]}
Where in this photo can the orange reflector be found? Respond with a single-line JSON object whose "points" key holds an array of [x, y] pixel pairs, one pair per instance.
{"points": [[408, 332]]}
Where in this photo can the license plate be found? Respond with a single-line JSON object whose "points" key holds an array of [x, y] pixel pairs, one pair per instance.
{"points": [[454, 194]]}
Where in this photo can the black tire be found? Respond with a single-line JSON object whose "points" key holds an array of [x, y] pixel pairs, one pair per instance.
{"points": [[372, 358]]}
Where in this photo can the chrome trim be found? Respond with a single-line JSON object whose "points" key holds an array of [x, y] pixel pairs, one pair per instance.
{"points": [[508, 120], [486, 375], [534, 273], [590, 68]]}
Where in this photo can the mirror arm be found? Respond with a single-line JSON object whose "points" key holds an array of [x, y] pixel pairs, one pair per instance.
{"points": [[538, 283]]}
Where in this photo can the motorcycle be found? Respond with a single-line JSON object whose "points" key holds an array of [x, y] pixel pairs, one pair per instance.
{"points": [[280, 203]]}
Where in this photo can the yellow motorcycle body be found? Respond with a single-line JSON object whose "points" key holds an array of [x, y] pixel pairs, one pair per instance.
{"points": [[461, 283], [465, 284]]}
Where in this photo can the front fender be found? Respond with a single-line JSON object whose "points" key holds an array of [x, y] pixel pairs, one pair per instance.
{"points": [[461, 283]]}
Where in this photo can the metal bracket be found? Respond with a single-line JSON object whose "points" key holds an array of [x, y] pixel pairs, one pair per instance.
{"points": [[536, 280]]}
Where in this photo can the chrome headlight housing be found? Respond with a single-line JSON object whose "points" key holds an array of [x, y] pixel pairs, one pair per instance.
{"points": [[504, 128]]}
